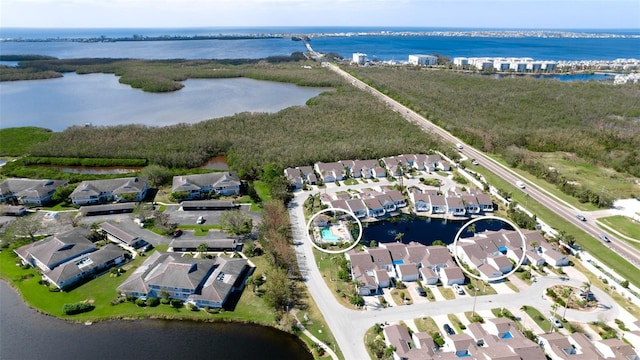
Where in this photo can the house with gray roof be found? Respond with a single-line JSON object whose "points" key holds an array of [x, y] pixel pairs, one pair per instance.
{"points": [[48, 253], [85, 266], [200, 186], [70, 257], [120, 236], [330, 172], [357, 207], [438, 204], [29, 191], [202, 282], [420, 201], [92, 192], [294, 177]]}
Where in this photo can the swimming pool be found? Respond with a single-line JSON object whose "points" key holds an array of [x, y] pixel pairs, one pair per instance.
{"points": [[328, 236]]}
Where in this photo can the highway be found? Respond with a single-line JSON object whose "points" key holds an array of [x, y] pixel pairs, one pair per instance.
{"points": [[558, 206]]}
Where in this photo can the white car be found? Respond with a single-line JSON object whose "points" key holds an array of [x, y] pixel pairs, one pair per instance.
{"points": [[459, 146], [520, 184], [555, 322], [458, 289], [200, 220]]}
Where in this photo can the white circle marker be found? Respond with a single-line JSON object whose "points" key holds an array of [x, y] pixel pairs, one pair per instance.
{"points": [[355, 242], [486, 278]]}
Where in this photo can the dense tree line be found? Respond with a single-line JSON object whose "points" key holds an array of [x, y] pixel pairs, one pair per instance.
{"points": [[596, 121]]}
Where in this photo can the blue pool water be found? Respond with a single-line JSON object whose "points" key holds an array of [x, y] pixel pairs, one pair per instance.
{"points": [[328, 236], [398, 262], [507, 335]]}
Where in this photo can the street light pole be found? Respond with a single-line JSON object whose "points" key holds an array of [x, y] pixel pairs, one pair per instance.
{"points": [[566, 305], [475, 298]]}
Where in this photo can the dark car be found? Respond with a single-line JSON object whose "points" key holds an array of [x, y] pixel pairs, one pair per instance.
{"points": [[177, 233], [421, 291], [449, 330], [581, 217]]}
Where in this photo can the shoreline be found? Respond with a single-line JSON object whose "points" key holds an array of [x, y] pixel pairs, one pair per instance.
{"points": [[89, 322]]}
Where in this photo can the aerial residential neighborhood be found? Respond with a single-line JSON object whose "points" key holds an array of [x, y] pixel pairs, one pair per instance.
{"points": [[320, 191]]}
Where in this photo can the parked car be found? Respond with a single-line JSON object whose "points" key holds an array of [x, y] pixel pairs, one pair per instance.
{"points": [[458, 289], [177, 233], [200, 220], [449, 330], [581, 217], [604, 238], [421, 291], [474, 162], [555, 322]]}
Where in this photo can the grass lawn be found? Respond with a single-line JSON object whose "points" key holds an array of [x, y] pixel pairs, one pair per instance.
{"points": [[447, 293], [101, 291], [427, 325], [456, 323], [511, 286], [590, 244], [329, 272], [483, 288], [625, 226], [316, 323], [537, 316], [397, 295], [247, 200], [263, 190]]}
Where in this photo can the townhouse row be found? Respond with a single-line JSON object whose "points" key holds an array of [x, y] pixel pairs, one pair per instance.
{"points": [[492, 253], [394, 166], [500, 338]]}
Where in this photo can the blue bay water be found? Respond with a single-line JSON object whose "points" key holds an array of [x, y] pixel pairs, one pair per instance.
{"points": [[382, 47]]}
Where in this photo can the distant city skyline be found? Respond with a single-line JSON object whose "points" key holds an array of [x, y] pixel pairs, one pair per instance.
{"points": [[495, 14]]}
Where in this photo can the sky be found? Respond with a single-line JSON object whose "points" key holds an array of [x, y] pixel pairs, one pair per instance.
{"points": [[508, 14]]}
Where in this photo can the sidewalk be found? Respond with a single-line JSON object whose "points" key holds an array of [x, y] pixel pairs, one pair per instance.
{"points": [[324, 346]]}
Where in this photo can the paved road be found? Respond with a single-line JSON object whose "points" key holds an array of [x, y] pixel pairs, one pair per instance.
{"points": [[557, 205], [349, 326]]}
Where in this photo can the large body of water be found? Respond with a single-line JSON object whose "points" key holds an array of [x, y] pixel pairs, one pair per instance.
{"points": [[100, 99], [382, 47], [26, 334]]}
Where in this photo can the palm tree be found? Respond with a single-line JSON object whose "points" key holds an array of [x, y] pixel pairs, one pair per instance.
{"points": [[399, 237], [202, 248]]}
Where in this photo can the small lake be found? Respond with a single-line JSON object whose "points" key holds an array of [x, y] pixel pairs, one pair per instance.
{"points": [[423, 229], [26, 334], [99, 99]]}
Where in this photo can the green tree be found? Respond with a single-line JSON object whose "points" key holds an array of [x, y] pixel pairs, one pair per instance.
{"points": [[278, 289], [157, 174], [236, 222], [202, 248], [399, 237], [438, 242], [62, 194]]}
